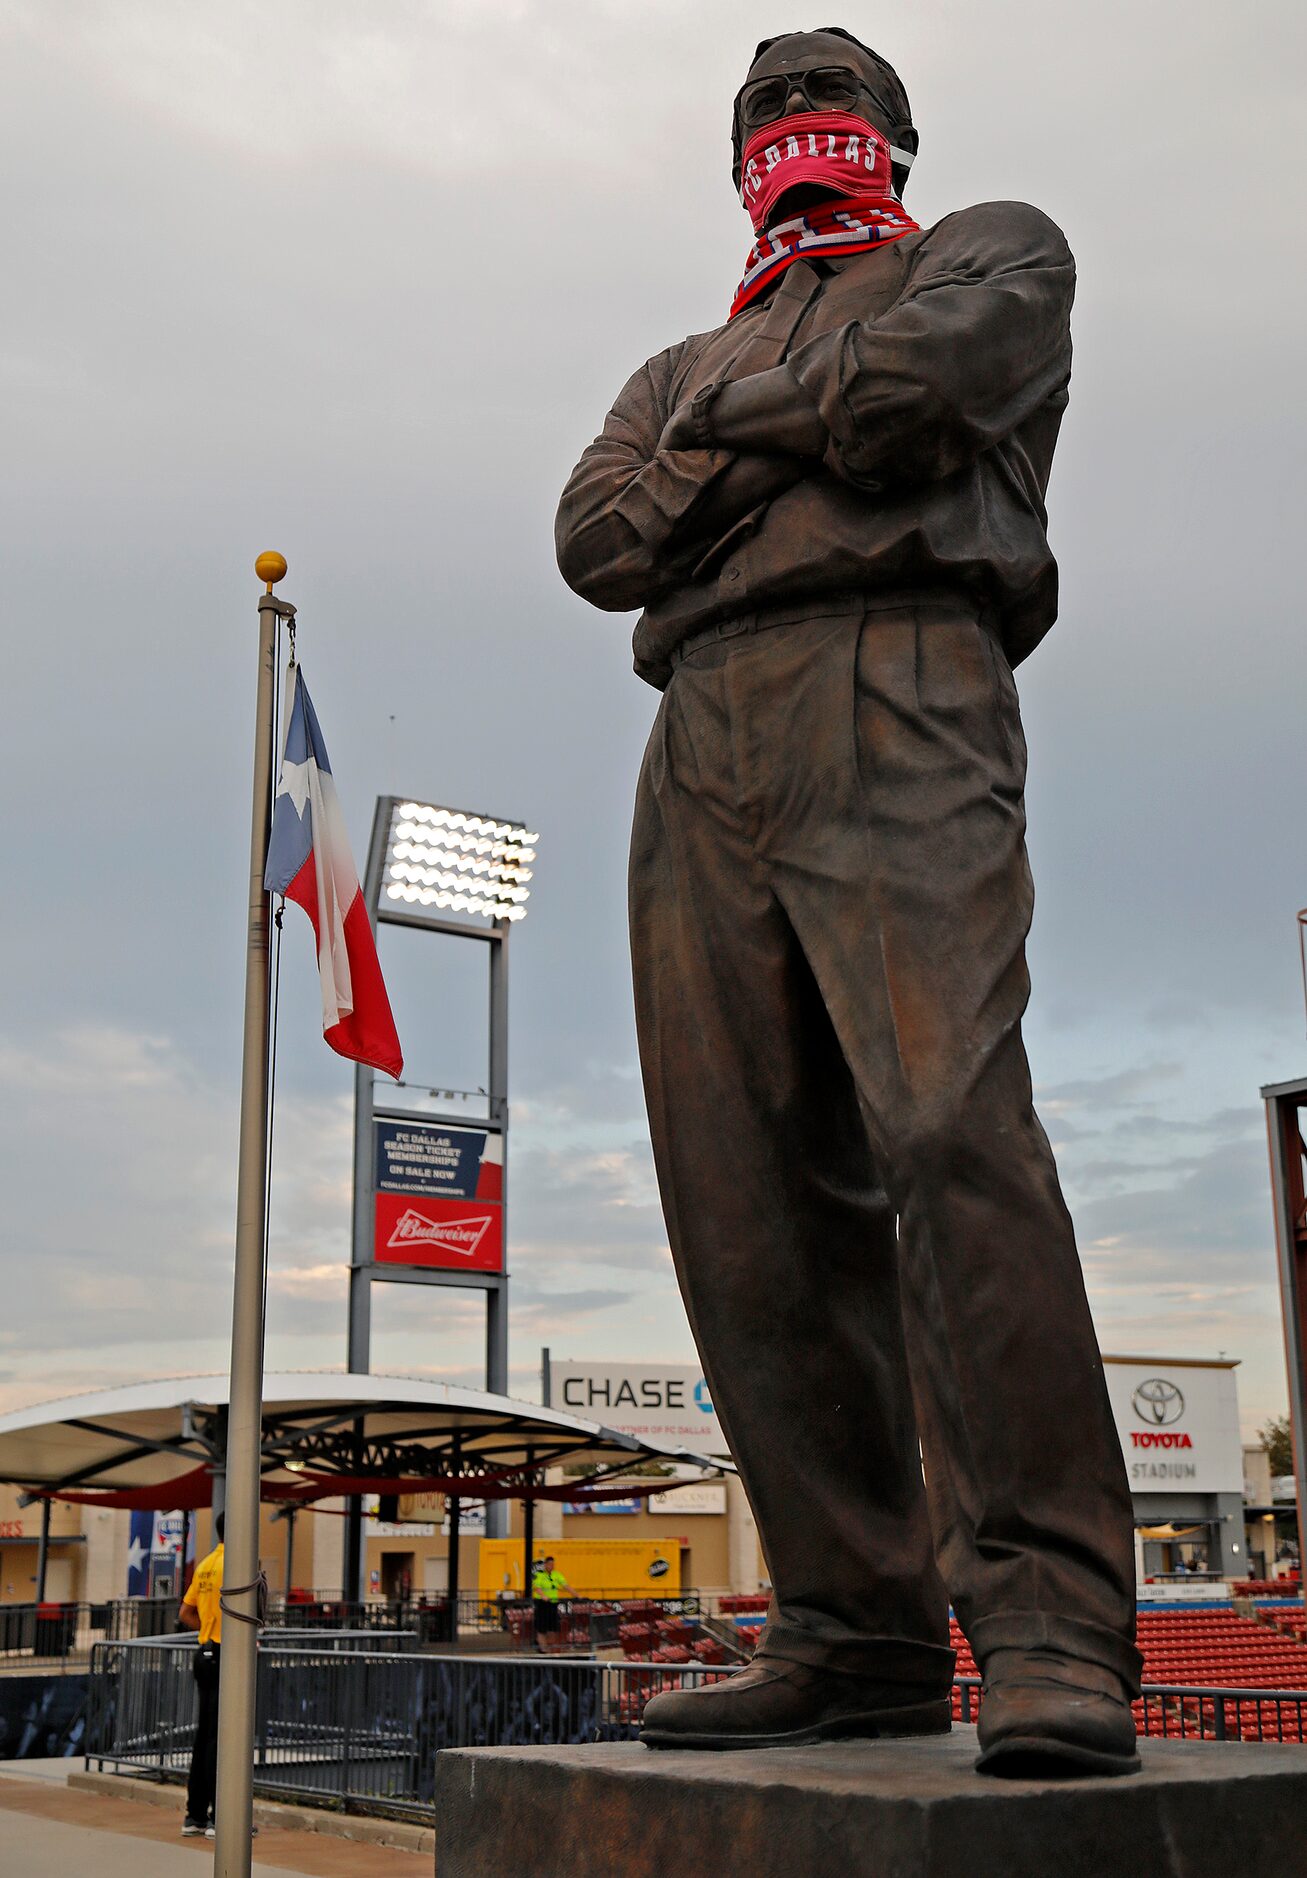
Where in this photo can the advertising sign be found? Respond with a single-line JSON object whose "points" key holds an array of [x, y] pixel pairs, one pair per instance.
{"points": [[421, 1506], [705, 1498], [471, 1520], [664, 1403], [407, 1526], [694, 1496], [1178, 1424], [439, 1196]]}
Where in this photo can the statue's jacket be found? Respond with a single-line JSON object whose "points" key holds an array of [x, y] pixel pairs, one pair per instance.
{"points": [[940, 366]]}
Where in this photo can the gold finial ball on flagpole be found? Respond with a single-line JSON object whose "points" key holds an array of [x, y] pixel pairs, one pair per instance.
{"points": [[271, 568]]}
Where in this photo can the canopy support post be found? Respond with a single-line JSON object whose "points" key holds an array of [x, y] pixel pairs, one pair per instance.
{"points": [[43, 1551], [529, 1536]]}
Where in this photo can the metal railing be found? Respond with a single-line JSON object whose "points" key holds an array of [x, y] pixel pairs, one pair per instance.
{"points": [[477, 1610], [64, 1633], [582, 1622], [360, 1729], [1178, 1712], [690, 1598]]}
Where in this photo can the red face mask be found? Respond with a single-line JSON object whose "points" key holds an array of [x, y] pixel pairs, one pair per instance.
{"points": [[828, 150], [849, 161]]}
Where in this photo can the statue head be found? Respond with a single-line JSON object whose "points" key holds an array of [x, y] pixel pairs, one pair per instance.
{"points": [[844, 74]]}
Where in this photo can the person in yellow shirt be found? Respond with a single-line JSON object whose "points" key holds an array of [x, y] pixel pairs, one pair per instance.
{"points": [[547, 1587], [201, 1610]]}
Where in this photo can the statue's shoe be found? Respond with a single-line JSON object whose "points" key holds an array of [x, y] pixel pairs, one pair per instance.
{"points": [[1045, 1714], [774, 1704]]}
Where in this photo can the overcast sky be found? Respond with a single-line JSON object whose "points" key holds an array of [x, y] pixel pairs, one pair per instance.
{"points": [[359, 282]]}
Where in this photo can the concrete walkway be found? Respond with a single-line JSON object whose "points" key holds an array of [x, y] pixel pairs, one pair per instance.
{"points": [[49, 1830]]}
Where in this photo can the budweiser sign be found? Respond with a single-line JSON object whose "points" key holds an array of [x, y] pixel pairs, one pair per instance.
{"points": [[443, 1232], [414, 1228]]}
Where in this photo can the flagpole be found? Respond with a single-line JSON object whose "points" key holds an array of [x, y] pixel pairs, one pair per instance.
{"points": [[234, 1806]]}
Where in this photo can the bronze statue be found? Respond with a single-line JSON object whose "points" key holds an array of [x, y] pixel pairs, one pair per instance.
{"points": [[831, 510]]}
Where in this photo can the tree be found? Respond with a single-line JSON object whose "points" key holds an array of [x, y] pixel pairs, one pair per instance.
{"points": [[1277, 1439]]}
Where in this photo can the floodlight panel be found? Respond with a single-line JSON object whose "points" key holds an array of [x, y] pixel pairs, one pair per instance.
{"points": [[457, 861]]}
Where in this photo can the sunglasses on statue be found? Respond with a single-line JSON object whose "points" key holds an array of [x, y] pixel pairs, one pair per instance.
{"points": [[823, 88]]}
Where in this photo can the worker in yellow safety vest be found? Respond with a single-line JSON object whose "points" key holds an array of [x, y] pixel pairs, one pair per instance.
{"points": [[547, 1587]]}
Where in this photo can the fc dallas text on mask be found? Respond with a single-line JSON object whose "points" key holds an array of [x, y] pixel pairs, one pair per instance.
{"points": [[844, 157]]}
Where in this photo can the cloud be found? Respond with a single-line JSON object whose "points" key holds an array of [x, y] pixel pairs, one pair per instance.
{"points": [[595, 1092], [299, 286], [589, 1203], [312, 1280], [133, 1245], [1215, 1205], [1120, 1088], [88, 1061], [1179, 1256], [128, 1273], [551, 1311], [395, 88]]}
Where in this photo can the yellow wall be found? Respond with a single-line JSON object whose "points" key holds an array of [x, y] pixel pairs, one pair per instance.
{"points": [[706, 1562], [20, 1528], [65, 1571], [613, 1566]]}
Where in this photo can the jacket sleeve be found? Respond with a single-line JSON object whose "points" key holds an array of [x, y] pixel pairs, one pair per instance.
{"points": [[977, 341], [618, 520]]}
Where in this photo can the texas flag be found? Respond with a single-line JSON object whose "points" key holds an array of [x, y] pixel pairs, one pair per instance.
{"points": [[309, 861]]}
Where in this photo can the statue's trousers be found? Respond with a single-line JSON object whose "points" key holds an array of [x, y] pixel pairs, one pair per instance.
{"points": [[830, 900]]}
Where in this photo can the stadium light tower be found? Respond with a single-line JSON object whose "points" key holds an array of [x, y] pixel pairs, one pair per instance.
{"points": [[430, 1189], [457, 862]]}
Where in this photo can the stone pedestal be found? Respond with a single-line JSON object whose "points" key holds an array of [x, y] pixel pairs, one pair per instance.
{"points": [[892, 1809]]}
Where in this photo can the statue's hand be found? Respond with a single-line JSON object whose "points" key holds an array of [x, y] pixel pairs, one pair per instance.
{"points": [[680, 432], [768, 411]]}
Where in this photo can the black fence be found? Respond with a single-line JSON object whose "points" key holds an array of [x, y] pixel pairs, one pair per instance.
{"points": [[477, 1610], [57, 1634], [1176, 1712], [360, 1729], [63, 1635], [54, 1632], [576, 1623]]}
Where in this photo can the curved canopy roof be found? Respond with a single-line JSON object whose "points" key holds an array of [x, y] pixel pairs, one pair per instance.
{"points": [[323, 1433]]}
